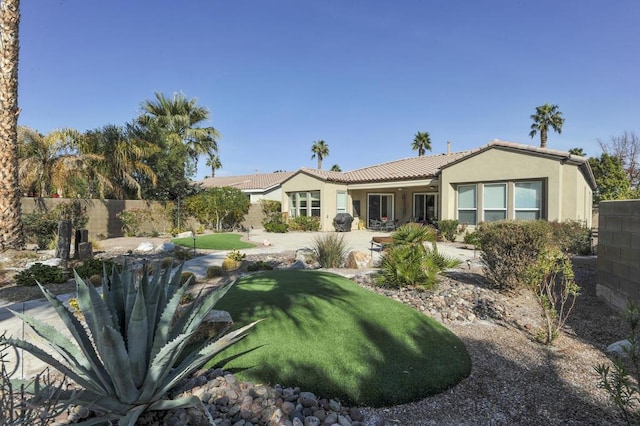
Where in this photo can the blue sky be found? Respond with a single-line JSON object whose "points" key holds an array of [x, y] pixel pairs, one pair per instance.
{"points": [[363, 75]]}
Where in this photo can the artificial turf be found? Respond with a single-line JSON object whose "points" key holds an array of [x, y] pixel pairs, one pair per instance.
{"points": [[327, 335], [214, 242]]}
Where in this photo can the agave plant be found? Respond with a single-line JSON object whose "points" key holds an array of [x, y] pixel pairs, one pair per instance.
{"points": [[129, 355]]}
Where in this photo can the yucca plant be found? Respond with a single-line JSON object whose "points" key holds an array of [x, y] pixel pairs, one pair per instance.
{"points": [[129, 355], [330, 250]]}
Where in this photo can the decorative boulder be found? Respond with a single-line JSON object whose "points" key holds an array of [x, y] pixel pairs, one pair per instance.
{"points": [[145, 247], [619, 349], [358, 260], [165, 248]]}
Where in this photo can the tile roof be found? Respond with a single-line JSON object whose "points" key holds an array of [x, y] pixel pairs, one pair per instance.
{"points": [[256, 182]]}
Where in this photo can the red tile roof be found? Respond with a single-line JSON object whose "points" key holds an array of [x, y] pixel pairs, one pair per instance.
{"points": [[256, 182]]}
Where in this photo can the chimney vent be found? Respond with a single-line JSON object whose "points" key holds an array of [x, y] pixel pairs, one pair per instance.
{"points": [[448, 147]]}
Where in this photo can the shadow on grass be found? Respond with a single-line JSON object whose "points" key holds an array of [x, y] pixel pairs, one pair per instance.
{"points": [[327, 335]]}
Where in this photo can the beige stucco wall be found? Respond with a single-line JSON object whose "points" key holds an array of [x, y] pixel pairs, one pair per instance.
{"points": [[328, 197], [618, 279], [568, 195], [273, 194]]}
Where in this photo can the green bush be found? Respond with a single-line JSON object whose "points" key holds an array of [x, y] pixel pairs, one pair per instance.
{"points": [[305, 223], [236, 255], [330, 250], [94, 267], [509, 248], [44, 274], [272, 210], [401, 265], [132, 221], [276, 227], [73, 210], [449, 229], [472, 238], [260, 265], [188, 278], [214, 271], [40, 228], [572, 237]]}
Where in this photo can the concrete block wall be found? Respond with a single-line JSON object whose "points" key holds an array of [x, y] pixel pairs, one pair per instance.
{"points": [[618, 279]]}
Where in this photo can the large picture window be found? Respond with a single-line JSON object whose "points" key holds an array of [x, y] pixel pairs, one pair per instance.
{"points": [[380, 207], [494, 202], [424, 207], [528, 200], [305, 203], [467, 210]]}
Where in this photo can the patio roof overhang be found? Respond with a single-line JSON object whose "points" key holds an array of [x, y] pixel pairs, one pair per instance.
{"points": [[421, 183]]}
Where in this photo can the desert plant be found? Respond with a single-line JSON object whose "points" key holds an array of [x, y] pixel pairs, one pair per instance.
{"points": [[96, 280], [572, 237], [260, 265], [28, 402], [449, 229], [214, 271], [621, 382], [182, 253], [94, 266], [402, 265], [132, 221], [125, 356], [236, 255], [472, 238], [187, 278], [73, 210], [39, 273], [271, 209], [166, 262], [551, 279], [39, 227], [330, 250], [509, 248]]}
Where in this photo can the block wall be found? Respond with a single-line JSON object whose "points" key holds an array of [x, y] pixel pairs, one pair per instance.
{"points": [[618, 279]]}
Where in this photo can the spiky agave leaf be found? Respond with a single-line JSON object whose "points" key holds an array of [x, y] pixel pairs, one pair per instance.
{"points": [[138, 338], [116, 361], [160, 367]]}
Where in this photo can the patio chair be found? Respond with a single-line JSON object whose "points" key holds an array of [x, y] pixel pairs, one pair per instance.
{"points": [[389, 225], [375, 225]]}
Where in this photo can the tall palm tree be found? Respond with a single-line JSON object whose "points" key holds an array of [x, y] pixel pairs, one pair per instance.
{"points": [[179, 118], [421, 143], [319, 149], [11, 235], [335, 168], [214, 162], [546, 116]]}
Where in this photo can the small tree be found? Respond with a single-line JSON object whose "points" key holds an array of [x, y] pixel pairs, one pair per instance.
{"points": [[611, 178], [551, 279], [218, 207]]}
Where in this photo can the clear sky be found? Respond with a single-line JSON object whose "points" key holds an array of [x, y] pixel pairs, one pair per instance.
{"points": [[362, 75]]}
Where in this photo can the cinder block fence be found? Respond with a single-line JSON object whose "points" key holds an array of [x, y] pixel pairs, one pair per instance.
{"points": [[618, 280]]}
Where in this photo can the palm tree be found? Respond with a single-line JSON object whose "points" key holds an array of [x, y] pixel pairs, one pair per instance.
{"points": [[546, 116], [421, 143], [49, 162], [214, 162], [319, 149], [179, 118], [120, 161], [577, 151], [11, 235], [335, 168]]}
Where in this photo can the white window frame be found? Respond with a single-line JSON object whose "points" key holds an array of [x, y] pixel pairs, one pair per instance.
{"points": [[296, 200], [341, 207], [473, 209], [537, 209], [486, 209]]}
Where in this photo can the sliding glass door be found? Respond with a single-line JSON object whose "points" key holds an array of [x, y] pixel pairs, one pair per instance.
{"points": [[380, 207]]}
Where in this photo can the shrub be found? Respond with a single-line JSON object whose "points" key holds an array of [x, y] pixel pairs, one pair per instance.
{"points": [[271, 209], [260, 265], [472, 238], [166, 262], [73, 210], [40, 227], [552, 280], [182, 253], [621, 383], [449, 229], [304, 223], [214, 271], [96, 280], [94, 266], [187, 278], [330, 250], [402, 265], [276, 227], [41, 273], [509, 248], [572, 237], [236, 255], [132, 221], [127, 367]]}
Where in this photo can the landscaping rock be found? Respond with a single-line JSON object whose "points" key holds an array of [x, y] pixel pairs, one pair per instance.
{"points": [[358, 260], [56, 261], [165, 248], [619, 349], [144, 247], [187, 234]]}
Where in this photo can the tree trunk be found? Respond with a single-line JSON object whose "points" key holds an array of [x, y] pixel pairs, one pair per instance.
{"points": [[543, 138], [11, 235]]}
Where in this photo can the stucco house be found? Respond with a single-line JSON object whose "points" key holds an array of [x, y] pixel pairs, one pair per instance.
{"points": [[500, 180]]}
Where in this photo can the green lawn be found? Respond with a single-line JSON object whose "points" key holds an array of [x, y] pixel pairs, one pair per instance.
{"points": [[214, 242], [326, 334]]}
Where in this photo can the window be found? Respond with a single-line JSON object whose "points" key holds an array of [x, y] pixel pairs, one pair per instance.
{"points": [[424, 207], [341, 202], [304, 203], [528, 196], [467, 204], [494, 202], [380, 207]]}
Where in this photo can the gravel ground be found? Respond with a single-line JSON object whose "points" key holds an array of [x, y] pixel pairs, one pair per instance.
{"points": [[514, 379]]}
